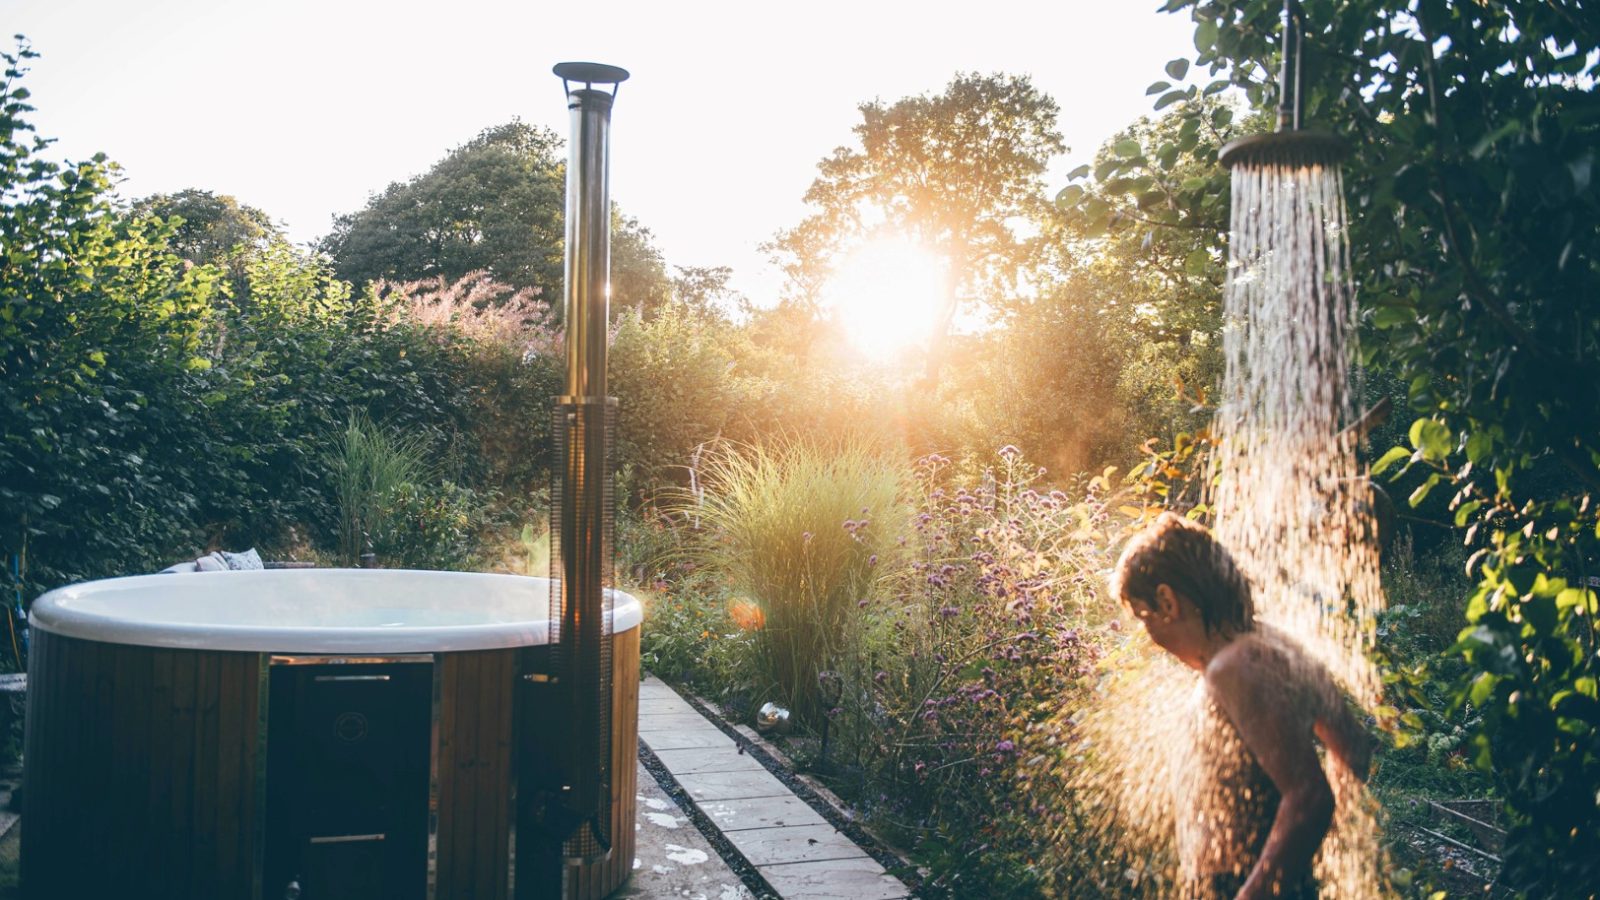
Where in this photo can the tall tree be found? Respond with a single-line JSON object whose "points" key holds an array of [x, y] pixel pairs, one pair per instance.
{"points": [[956, 172], [212, 229], [213, 225], [495, 204]]}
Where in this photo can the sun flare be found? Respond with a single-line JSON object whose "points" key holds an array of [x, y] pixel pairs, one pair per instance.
{"points": [[887, 294]]}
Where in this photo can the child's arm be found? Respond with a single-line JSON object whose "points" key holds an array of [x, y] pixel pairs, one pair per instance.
{"points": [[1250, 686]]}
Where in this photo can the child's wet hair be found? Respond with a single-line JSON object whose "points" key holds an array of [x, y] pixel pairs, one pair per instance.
{"points": [[1184, 556]]}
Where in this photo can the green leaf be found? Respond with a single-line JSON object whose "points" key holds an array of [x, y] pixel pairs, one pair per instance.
{"points": [[1480, 444], [1069, 196], [1389, 316], [1195, 263], [1079, 172], [1482, 688], [1128, 148], [1157, 88], [1464, 512], [1394, 455], [1540, 612], [1178, 68], [1205, 36], [1432, 437], [1421, 493], [1169, 98], [1572, 597]]}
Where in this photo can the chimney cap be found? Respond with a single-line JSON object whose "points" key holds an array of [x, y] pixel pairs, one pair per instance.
{"points": [[590, 73]]}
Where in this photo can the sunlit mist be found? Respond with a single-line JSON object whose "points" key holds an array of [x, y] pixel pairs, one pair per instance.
{"points": [[887, 295]]}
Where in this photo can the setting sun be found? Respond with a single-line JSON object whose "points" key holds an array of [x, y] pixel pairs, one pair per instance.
{"points": [[887, 294]]}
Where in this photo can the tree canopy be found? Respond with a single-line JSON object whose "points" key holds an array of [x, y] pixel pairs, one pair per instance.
{"points": [[212, 226], [494, 204], [957, 172]]}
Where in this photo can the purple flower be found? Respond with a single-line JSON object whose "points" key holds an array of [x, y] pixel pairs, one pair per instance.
{"points": [[806, 537], [1005, 747], [1009, 452], [872, 560]]}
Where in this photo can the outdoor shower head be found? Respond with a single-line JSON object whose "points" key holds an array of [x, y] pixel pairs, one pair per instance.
{"points": [[1295, 148], [1289, 145]]}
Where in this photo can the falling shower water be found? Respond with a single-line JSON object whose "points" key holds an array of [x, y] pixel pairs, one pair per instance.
{"points": [[1290, 500]]}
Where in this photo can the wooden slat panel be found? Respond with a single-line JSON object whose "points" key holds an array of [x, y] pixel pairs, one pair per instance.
{"points": [[474, 774], [180, 806], [159, 769], [43, 704], [600, 879], [231, 708], [114, 752], [204, 839], [444, 764], [126, 818], [461, 839], [493, 707]]}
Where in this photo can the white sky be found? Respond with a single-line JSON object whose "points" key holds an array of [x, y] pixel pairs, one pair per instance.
{"points": [[304, 108]]}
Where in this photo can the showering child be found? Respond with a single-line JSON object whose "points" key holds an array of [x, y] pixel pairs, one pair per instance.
{"points": [[1254, 803]]}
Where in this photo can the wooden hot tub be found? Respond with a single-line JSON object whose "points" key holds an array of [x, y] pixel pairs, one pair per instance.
{"points": [[356, 732]]}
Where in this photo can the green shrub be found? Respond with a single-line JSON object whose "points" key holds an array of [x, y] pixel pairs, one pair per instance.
{"points": [[988, 638], [101, 338], [372, 471], [429, 526], [799, 529], [673, 377], [690, 637]]}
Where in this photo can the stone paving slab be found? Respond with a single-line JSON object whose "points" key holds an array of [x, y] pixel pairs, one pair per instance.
{"points": [[694, 762], [661, 708], [761, 812], [693, 722], [794, 848], [688, 740], [672, 859], [745, 785], [834, 879], [794, 843]]}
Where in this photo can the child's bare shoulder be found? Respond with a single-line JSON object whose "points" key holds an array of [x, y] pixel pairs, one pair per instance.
{"points": [[1261, 667]]}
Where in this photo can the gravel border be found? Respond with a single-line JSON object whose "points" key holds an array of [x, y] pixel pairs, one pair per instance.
{"points": [[892, 863], [748, 874]]}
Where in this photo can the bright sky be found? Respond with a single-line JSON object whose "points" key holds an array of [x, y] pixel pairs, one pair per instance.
{"points": [[305, 107]]}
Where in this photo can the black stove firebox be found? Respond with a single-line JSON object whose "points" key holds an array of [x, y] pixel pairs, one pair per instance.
{"points": [[348, 779]]}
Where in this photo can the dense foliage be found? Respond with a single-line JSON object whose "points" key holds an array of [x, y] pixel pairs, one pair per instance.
{"points": [[156, 405], [1472, 131]]}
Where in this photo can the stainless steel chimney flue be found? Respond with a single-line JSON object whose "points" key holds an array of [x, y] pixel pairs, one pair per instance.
{"points": [[578, 812]]}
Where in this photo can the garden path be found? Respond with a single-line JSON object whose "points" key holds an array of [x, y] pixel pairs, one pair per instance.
{"points": [[799, 854]]}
